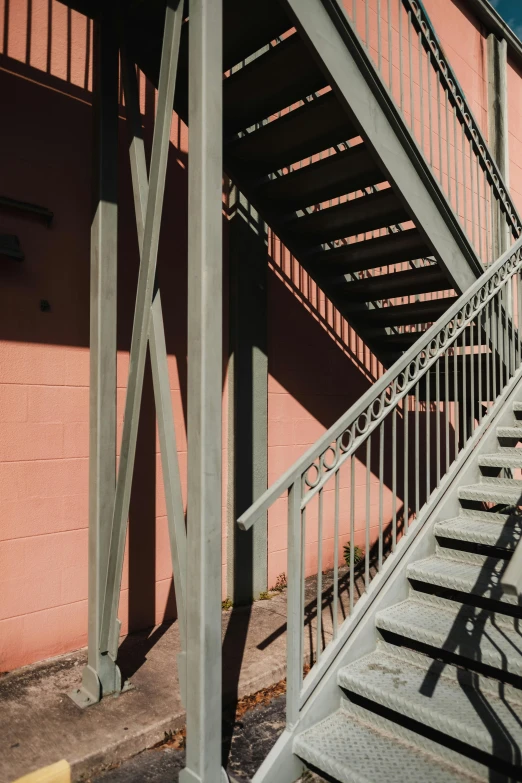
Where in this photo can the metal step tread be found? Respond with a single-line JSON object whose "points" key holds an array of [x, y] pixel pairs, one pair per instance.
{"points": [[352, 750], [449, 626], [399, 315], [464, 577], [510, 432], [446, 698], [425, 279], [355, 216], [336, 175], [280, 77], [392, 248], [504, 494], [502, 459], [298, 134], [503, 533]]}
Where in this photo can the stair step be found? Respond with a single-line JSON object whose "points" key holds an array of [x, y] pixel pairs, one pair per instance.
{"points": [[510, 433], [517, 407], [390, 249], [336, 175], [472, 639], [493, 491], [443, 698], [352, 746], [479, 581], [502, 459], [501, 534], [246, 29], [403, 315], [413, 281], [366, 213], [303, 132], [285, 74]]}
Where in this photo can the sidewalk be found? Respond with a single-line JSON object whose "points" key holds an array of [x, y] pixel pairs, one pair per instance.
{"points": [[39, 724]]}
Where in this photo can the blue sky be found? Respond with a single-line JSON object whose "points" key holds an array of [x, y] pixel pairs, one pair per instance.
{"points": [[511, 11]]}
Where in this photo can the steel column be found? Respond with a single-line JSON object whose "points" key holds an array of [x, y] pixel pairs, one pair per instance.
{"points": [[204, 518], [101, 675]]}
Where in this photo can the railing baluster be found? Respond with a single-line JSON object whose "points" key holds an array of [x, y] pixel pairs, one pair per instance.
{"points": [[430, 131], [379, 42], [406, 465], [421, 93], [390, 46], [400, 56], [319, 641], [438, 414], [381, 488], [448, 145], [417, 449], [464, 176], [410, 63], [446, 403], [352, 531], [394, 479], [456, 158], [294, 642], [368, 512], [336, 553], [428, 434], [464, 421]]}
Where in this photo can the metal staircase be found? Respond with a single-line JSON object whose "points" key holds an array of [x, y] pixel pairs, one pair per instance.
{"points": [[409, 666], [330, 165], [440, 697]]}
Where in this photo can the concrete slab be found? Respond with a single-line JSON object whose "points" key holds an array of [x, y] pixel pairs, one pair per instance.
{"points": [[39, 723]]}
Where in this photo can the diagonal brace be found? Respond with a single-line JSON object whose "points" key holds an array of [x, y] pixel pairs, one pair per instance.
{"points": [[140, 332], [158, 354]]}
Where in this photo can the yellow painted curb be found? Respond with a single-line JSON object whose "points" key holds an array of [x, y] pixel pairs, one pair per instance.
{"points": [[56, 773]]}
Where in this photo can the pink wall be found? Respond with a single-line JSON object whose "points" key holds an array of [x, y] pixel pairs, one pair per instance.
{"points": [[45, 82]]}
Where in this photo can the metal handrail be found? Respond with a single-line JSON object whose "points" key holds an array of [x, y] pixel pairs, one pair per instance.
{"points": [[472, 353], [378, 390], [438, 117]]}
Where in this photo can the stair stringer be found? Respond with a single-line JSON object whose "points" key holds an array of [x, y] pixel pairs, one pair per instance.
{"points": [[322, 695], [339, 53]]}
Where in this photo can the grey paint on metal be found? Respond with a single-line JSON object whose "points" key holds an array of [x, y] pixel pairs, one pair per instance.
{"points": [[340, 54], [101, 675], [247, 398], [159, 364], [140, 332], [498, 134], [205, 370]]}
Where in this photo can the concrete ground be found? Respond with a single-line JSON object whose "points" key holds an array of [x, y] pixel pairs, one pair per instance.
{"points": [[251, 738], [40, 724]]}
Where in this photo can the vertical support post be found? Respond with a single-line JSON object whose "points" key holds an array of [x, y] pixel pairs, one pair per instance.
{"points": [[101, 675], [204, 526], [248, 389], [498, 137]]}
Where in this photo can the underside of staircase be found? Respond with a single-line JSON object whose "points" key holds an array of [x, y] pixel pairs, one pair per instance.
{"points": [[440, 696], [355, 211]]}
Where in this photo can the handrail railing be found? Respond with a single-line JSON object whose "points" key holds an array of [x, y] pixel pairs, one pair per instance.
{"points": [[347, 489], [409, 59]]}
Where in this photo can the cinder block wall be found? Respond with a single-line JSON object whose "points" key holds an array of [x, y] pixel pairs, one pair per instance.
{"points": [[317, 368]]}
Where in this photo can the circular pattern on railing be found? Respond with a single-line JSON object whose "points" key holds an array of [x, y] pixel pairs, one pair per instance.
{"points": [[330, 465], [346, 439], [309, 482], [360, 427]]}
